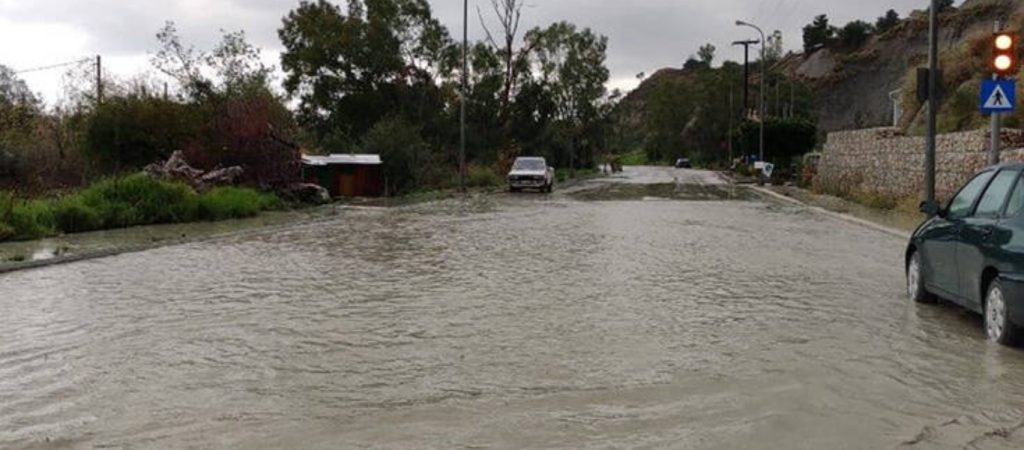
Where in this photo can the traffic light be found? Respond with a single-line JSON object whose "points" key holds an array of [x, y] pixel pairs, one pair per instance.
{"points": [[1004, 54]]}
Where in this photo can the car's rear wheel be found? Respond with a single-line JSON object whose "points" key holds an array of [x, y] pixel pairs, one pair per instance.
{"points": [[997, 318], [915, 281], [549, 188]]}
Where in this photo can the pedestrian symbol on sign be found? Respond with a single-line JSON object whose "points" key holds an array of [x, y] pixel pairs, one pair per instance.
{"points": [[998, 96], [997, 99]]}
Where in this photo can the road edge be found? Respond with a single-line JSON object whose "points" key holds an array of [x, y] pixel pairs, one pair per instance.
{"points": [[894, 232]]}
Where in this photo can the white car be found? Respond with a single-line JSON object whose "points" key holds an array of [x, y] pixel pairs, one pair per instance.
{"points": [[531, 173]]}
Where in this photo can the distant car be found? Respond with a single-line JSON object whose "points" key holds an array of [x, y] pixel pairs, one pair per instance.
{"points": [[683, 163], [970, 252], [531, 173]]}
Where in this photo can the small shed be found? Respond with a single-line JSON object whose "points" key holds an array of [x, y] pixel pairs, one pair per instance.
{"points": [[346, 175]]}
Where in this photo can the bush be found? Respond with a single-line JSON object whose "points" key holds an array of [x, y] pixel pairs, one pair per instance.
{"points": [[140, 200], [407, 158], [72, 215], [7, 232], [132, 131], [232, 203], [28, 219], [480, 176], [784, 138]]}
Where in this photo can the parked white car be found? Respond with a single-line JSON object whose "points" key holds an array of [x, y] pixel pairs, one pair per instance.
{"points": [[531, 173]]}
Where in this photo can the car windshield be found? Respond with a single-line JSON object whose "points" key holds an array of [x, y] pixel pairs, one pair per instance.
{"points": [[530, 164]]}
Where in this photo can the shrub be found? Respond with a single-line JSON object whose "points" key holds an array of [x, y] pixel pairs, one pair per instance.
{"points": [[232, 202], [481, 176], [72, 215], [28, 219], [132, 131], [140, 200], [407, 158], [7, 232]]}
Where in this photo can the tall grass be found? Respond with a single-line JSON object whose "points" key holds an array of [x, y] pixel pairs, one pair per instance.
{"points": [[232, 202], [125, 202], [482, 177]]}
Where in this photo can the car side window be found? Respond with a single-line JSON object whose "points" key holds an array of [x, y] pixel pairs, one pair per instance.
{"points": [[1016, 203], [995, 196], [961, 205]]}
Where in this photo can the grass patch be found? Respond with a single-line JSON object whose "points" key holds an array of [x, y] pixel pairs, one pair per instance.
{"points": [[234, 203], [482, 177], [635, 158], [125, 202]]}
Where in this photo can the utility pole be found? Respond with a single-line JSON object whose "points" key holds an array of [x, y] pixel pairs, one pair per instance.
{"points": [[764, 78], [746, 73], [99, 80], [728, 135], [465, 82], [933, 81]]}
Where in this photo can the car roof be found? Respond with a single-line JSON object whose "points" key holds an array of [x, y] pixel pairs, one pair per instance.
{"points": [[1009, 165]]}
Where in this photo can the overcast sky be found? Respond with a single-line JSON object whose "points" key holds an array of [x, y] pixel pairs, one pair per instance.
{"points": [[644, 35]]}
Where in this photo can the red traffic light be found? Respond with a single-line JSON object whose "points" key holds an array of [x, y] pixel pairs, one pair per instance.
{"points": [[1004, 54]]}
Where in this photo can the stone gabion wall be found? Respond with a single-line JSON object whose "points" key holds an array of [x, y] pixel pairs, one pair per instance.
{"points": [[886, 162]]}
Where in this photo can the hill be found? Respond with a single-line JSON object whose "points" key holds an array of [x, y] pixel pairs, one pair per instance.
{"points": [[852, 88]]}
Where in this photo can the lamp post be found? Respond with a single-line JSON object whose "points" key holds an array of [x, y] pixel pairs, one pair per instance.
{"points": [[462, 106], [764, 77]]}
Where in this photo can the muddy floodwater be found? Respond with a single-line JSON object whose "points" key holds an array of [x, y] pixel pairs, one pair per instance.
{"points": [[639, 320]]}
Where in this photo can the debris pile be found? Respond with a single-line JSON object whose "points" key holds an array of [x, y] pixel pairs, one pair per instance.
{"points": [[177, 169]]}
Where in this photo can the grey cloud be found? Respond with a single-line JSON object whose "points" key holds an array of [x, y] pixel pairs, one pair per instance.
{"points": [[644, 34]]}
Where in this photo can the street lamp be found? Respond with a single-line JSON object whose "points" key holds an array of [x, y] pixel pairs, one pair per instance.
{"points": [[462, 106], [764, 77]]}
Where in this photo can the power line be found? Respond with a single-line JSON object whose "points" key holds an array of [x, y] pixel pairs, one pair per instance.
{"points": [[53, 66]]}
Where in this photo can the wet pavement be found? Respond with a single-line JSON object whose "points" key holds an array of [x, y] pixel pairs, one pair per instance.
{"points": [[645, 319]]}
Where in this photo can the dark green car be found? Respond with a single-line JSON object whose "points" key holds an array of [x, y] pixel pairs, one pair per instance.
{"points": [[972, 252]]}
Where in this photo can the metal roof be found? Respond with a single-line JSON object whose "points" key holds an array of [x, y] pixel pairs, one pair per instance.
{"points": [[344, 159]]}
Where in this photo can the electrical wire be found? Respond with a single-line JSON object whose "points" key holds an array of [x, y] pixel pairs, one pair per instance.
{"points": [[52, 66]]}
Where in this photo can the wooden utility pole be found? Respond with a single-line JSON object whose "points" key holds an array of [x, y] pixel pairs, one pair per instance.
{"points": [[99, 80]]}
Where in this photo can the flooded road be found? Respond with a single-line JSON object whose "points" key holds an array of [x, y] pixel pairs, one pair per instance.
{"points": [[504, 322]]}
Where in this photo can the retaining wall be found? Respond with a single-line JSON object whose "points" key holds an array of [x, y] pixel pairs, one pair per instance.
{"points": [[887, 162]]}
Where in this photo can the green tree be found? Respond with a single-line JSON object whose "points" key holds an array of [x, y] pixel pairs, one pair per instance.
{"points": [[818, 34], [854, 35], [706, 54], [572, 72], [345, 67], [888, 21]]}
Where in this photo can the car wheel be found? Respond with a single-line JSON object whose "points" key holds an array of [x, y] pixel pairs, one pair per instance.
{"points": [[915, 281], [550, 188], [512, 189], [997, 318]]}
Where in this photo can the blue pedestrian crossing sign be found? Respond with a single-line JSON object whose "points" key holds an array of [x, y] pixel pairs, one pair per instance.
{"points": [[998, 96]]}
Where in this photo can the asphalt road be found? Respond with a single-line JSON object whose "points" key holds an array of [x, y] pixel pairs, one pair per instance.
{"points": [[656, 308]]}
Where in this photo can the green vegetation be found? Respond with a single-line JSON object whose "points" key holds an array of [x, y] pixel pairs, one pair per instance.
{"points": [[232, 203], [483, 177], [383, 76], [124, 202], [635, 158]]}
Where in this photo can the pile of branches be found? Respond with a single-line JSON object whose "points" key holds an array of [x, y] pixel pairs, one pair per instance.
{"points": [[177, 169]]}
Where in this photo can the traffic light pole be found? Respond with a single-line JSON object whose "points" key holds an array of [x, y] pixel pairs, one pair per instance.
{"points": [[933, 63], [996, 134], [994, 147]]}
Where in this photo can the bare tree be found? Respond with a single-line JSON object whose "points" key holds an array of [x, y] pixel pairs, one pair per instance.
{"points": [[509, 13]]}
